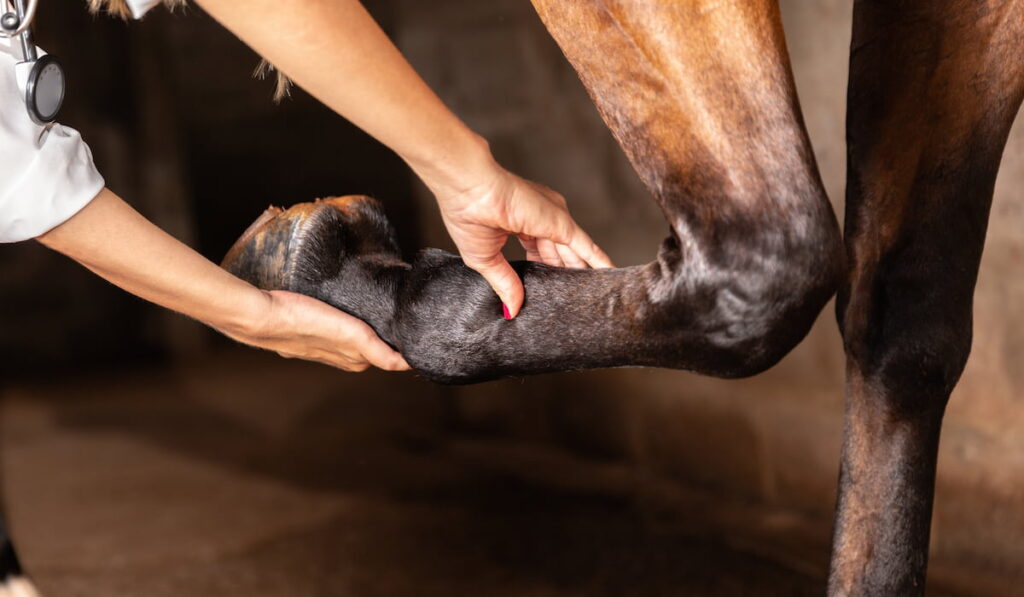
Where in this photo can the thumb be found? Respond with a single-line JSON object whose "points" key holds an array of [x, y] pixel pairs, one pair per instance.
{"points": [[504, 280]]}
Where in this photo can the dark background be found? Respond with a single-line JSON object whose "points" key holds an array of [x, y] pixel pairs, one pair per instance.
{"points": [[143, 454]]}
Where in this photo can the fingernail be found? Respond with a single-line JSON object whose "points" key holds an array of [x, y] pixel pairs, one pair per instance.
{"points": [[505, 312]]}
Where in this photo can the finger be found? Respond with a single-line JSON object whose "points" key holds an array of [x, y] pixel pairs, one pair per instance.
{"points": [[554, 225], [548, 252], [588, 250], [362, 348], [570, 258], [331, 359], [382, 356], [360, 344], [357, 367], [557, 225], [530, 244], [504, 280], [543, 216], [343, 362]]}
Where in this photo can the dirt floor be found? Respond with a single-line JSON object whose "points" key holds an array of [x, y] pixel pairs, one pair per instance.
{"points": [[254, 476]]}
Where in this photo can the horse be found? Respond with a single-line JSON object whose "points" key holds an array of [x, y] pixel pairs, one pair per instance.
{"points": [[700, 96]]}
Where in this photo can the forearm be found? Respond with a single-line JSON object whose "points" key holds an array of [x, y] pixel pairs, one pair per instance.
{"points": [[117, 243], [337, 52]]}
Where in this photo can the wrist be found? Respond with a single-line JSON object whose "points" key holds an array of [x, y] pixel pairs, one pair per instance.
{"points": [[248, 316], [462, 166]]}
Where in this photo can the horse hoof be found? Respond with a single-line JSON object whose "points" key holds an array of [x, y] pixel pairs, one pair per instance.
{"points": [[284, 244]]}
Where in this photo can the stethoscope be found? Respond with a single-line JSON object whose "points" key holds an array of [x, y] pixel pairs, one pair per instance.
{"points": [[44, 84]]}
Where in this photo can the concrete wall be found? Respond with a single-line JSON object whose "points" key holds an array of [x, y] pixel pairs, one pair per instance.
{"points": [[772, 440]]}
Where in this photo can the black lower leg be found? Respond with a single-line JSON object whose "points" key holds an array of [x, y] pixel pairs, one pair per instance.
{"points": [[933, 91]]}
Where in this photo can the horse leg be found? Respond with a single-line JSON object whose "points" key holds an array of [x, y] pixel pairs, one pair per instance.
{"points": [[13, 582], [701, 98], [934, 88]]}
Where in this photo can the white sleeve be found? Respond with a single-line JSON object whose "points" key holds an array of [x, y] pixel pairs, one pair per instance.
{"points": [[46, 173]]}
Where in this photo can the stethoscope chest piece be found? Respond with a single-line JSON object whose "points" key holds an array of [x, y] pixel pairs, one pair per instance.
{"points": [[44, 90], [45, 83]]}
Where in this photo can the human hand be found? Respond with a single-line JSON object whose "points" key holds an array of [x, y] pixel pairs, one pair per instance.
{"points": [[481, 216], [116, 242], [298, 326]]}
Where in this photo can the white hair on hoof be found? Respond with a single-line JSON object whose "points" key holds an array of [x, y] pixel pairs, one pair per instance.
{"points": [[18, 586]]}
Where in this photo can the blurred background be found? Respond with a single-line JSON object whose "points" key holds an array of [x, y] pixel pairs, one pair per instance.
{"points": [[144, 455]]}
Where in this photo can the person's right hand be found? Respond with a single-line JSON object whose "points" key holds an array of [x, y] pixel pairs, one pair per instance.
{"points": [[481, 217], [298, 326]]}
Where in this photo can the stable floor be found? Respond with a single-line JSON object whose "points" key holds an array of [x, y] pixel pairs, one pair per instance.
{"points": [[248, 475]]}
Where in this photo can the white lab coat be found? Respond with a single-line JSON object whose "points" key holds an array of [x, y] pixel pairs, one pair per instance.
{"points": [[46, 172]]}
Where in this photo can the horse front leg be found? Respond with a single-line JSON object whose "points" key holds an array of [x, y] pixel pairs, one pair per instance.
{"points": [[934, 88], [700, 97]]}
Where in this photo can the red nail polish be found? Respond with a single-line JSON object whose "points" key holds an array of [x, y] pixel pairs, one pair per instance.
{"points": [[505, 312]]}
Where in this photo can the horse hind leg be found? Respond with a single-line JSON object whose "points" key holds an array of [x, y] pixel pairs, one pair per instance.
{"points": [[934, 88]]}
